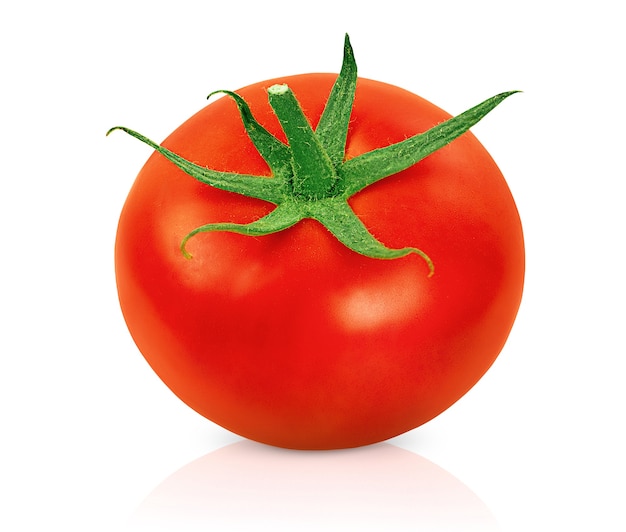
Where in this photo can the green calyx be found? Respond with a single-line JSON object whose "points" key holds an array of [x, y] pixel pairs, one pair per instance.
{"points": [[310, 176]]}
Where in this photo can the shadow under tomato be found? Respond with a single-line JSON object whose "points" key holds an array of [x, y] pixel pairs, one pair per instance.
{"points": [[249, 486]]}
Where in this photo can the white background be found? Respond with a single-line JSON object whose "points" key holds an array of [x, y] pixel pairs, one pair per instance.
{"points": [[89, 432]]}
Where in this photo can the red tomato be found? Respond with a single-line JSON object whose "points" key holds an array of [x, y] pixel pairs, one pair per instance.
{"points": [[292, 339]]}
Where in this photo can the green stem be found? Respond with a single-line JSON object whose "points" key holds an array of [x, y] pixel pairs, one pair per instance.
{"points": [[314, 175]]}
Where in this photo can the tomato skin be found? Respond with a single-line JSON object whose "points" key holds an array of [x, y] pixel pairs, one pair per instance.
{"points": [[291, 339]]}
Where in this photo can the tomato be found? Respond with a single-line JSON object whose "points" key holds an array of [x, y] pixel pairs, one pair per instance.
{"points": [[291, 338]]}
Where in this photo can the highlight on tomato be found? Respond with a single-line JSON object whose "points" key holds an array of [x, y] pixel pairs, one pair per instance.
{"points": [[320, 261]]}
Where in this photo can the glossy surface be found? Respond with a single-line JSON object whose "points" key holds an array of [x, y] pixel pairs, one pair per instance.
{"points": [[291, 339]]}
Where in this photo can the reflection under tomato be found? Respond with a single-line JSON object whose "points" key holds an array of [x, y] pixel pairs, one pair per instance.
{"points": [[249, 486]]}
